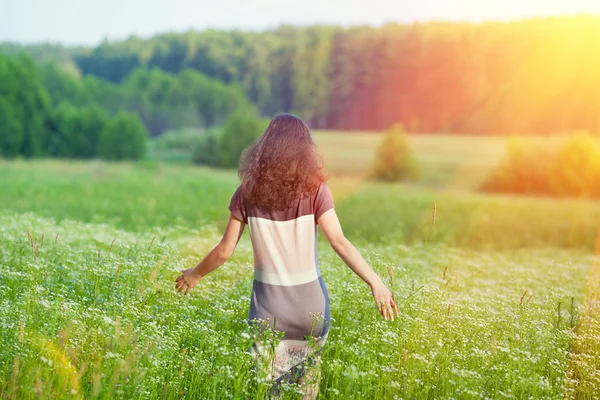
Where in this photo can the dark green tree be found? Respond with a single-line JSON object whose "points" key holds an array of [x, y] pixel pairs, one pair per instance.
{"points": [[240, 130], [26, 106], [93, 123], [11, 131], [123, 138]]}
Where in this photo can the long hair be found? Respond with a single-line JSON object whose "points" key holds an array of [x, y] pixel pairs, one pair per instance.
{"points": [[281, 166]]}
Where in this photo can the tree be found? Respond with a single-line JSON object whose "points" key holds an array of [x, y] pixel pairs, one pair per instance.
{"points": [[205, 150], [63, 86], [26, 106], [394, 158], [240, 130], [93, 123], [66, 128], [11, 131], [123, 138]]}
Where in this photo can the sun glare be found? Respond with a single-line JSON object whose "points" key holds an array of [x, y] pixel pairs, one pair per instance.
{"points": [[481, 10]]}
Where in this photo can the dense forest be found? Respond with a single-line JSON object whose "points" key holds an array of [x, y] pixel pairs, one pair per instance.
{"points": [[530, 76], [46, 111]]}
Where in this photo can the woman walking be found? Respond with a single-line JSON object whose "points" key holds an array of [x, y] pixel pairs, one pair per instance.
{"points": [[282, 198]]}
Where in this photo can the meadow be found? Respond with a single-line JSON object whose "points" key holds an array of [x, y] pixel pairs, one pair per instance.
{"points": [[499, 297]]}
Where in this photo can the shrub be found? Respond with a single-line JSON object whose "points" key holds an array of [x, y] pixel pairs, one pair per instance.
{"points": [[205, 150], [526, 169], [394, 157], [124, 138], [179, 140], [571, 170], [76, 131], [577, 167], [239, 131]]}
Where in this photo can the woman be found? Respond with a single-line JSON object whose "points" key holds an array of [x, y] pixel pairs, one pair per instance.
{"points": [[282, 198]]}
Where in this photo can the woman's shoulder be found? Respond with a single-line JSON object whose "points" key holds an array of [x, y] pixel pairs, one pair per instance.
{"points": [[236, 205], [322, 200]]}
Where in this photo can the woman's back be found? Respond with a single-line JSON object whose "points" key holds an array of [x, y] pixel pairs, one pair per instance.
{"points": [[288, 290]]}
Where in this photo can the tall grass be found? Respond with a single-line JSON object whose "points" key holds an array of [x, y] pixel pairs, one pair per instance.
{"points": [[93, 313], [138, 197]]}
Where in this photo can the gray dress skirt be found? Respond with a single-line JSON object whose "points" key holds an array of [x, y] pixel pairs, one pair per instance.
{"points": [[288, 294]]}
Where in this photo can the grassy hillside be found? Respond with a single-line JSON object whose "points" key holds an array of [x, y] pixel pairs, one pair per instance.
{"points": [[137, 197], [450, 161]]}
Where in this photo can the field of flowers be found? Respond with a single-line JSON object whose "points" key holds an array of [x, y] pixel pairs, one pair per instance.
{"points": [[88, 307], [89, 311]]}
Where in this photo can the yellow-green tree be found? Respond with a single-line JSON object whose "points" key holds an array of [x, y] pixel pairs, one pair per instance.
{"points": [[394, 158]]}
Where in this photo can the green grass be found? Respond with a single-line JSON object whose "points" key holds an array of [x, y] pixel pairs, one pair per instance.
{"points": [[137, 197], [499, 298], [82, 316]]}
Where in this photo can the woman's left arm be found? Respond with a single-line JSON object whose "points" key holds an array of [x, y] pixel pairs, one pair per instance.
{"points": [[217, 257]]}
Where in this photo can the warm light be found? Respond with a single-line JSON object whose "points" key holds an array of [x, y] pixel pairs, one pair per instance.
{"points": [[480, 10]]}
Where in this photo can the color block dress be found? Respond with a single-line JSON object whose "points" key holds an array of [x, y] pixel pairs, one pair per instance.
{"points": [[288, 291]]}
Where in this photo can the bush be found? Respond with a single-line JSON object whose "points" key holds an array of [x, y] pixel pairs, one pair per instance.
{"points": [[205, 150], [179, 140], [571, 170], [577, 167], [76, 132], [175, 146], [124, 138], [239, 131], [394, 157], [526, 169], [93, 123]]}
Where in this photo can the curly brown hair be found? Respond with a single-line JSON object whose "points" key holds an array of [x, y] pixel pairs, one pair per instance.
{"points": [[283, 165]]}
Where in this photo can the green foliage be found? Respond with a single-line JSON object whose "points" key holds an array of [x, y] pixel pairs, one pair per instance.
{"points": [[177, 140], [107, 95], [240, 130], [394, 158], [11, 131], [190, 99], [76, 131], [573, 169], [356, 78], [124, 138], [67, 123], [175, 145], [26, 106], [93, 123], [205, 151], [63, 86]]}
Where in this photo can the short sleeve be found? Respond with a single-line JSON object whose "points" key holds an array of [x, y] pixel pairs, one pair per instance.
{"points": [[323, 201], [236, 205]]}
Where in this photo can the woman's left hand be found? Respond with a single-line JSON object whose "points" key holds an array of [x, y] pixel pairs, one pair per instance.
{"points": [[187, 280], [385, 300]]}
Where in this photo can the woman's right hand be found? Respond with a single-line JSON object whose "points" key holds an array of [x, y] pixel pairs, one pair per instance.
{"points": [[384, 299], [187, 280]]}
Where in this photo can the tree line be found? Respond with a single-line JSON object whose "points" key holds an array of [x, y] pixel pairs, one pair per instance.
{"points": [[47, 111], [162, 100], [529, 76]]}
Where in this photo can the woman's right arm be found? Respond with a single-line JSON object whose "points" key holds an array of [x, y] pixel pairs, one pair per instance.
{"points": [[332, 229]]}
